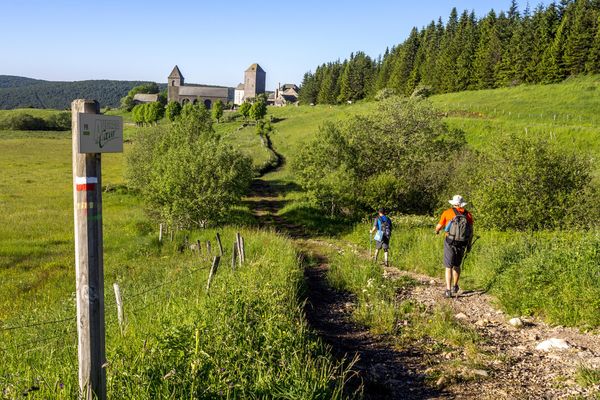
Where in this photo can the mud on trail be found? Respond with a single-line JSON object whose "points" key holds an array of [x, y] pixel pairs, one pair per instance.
{"points": [[385, 368]]}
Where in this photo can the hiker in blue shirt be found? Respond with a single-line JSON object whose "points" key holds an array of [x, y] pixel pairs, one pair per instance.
{"points": [[383, 226]]}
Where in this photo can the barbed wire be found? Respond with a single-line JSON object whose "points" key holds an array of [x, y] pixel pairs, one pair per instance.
{"points": [[31, 325], [29, 343]]}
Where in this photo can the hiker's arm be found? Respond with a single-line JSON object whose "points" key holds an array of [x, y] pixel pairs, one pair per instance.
{"points": [[374, 228], [438, 228]]}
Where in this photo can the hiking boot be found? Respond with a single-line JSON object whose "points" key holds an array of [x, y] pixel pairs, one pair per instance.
{"points": [[455, 289], [448, 293]]}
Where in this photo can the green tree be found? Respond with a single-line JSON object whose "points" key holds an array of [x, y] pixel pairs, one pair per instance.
{"points": [[593, 63], [173, 110], [258, 110], [580, 37], [488, 53], [245, 109], [187, 176], [217, 110], [153, 112]]}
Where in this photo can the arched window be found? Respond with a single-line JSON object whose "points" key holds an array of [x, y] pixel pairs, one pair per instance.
{"points": [[207, 104], [172, 83]]}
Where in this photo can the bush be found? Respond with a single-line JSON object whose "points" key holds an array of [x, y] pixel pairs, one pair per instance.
{"points": [[529, 185], [173, 110], [393, 157], [187, 176]]}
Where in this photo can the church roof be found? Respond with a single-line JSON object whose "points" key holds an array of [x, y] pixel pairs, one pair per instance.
{"points": [[255, 67], [176, 73], [203, 91], [240, 87], [145, 98]]}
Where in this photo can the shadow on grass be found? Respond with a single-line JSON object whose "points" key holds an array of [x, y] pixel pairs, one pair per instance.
{"points": [[316, 222]]}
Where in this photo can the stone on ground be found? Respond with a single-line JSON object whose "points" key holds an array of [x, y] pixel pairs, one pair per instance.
{"points": [[553, 343]]}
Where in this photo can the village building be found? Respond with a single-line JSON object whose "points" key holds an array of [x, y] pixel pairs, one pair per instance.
{"points": [[143, 98], [180, 92], [284, 95], [255, 79]]}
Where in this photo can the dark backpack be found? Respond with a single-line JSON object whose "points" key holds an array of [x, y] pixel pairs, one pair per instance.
{"points": [[385, 225], [460, 229]]}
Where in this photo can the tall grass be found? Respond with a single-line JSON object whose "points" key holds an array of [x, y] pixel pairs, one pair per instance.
{"points": [[247, 337]]}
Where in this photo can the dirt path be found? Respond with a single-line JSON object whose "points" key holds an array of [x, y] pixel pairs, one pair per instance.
{"points": [[513, 370]]}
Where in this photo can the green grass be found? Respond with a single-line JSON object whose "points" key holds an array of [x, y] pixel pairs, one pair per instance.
{"points": [[172, 324], [567, 113], [246, 140]]}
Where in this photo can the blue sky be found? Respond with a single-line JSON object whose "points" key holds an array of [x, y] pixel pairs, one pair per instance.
{"points": [[213, 42]]}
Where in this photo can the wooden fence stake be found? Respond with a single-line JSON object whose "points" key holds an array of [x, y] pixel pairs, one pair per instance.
{"points": [[233, 256], [220, 244], [239, 247], [160, 233], [243, 250], [119, 301], [199, 248], [89, 270], [208, 249], [213, 271]]}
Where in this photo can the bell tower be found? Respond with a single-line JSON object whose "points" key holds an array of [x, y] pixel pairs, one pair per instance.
{"points": [[174, 81]]}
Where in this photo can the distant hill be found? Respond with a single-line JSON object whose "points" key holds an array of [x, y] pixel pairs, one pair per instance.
{"points": [[21, 92]]}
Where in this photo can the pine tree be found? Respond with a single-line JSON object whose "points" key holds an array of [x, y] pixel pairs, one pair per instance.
{"points": [[488, 52], [593, 63], [449, 50], [467, 39], [308, 90], [505, 28], [580, 37], [399, 80], [429, 73]]}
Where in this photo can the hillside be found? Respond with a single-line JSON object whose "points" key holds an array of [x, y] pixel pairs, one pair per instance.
{"points": [[20, 92]]}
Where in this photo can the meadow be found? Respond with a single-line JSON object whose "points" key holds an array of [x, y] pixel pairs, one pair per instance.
{"points": [[180, 342]]}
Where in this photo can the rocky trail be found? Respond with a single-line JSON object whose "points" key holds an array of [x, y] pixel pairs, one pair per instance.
{"points": [[513, 366]]}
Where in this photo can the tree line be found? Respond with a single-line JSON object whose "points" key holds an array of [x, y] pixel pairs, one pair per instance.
{"points": [[501, 49]]}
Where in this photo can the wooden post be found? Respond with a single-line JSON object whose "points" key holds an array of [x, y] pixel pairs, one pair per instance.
{"points": [[239, 246], [119, 301], [208, 250], [213, 271], [220, 244], [87, 199], [233, 256], [160, 233], [243, 250], [199, 247]]}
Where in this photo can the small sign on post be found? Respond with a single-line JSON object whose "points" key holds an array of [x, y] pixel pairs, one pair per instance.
{"points": [[100, 133]]}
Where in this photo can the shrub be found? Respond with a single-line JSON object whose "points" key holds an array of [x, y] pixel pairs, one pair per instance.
{"points": [[187, 176], [173, 110], [393, 157], [529, 185]]}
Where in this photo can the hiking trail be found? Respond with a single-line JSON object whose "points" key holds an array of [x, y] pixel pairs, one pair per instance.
{"points": [[513, 368]]}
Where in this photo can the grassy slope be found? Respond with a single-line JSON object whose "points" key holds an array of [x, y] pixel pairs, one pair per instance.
{"points": [[567, 113]]}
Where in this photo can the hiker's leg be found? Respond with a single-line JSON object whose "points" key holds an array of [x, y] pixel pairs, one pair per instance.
{"points": [[455, 275], [448, 278], [385, 257], [376, 254]]}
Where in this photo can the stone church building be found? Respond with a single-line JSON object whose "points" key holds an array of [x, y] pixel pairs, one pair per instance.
{"points": [[254, 84]]}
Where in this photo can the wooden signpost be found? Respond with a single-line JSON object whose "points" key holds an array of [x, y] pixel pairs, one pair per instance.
{"points": [[93, 134]]}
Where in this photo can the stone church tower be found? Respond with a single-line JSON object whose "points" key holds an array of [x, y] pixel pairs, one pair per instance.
{"points": [[174, 81], [254, 81]]}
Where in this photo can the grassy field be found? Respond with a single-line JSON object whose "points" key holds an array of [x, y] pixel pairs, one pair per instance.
{"points": [[172, 325], [566, 113]]}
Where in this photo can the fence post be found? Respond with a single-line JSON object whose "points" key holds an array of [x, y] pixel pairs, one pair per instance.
{"points": [[119, 301], [208, 249], [199, 248], [87, 199], [239, 247], [220, 244], [233, 256], [243, 250], [213, 271], [160, 233]]}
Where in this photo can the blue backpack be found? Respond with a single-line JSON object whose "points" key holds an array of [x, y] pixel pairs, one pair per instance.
{"points": [[384, 224]]}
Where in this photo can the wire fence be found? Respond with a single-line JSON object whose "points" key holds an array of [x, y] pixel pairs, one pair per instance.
{"points": [[136, 301]]}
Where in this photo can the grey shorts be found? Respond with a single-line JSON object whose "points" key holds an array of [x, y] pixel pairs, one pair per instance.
{"points": [[384, 244], [453, 255]]}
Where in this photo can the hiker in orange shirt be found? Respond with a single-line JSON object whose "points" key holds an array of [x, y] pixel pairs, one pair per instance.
{"points": [[458, 225]]}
